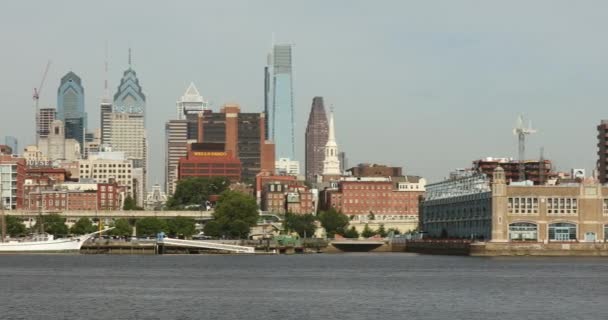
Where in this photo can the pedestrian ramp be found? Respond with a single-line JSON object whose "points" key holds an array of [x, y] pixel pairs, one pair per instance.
{"points": [[205, 245]]}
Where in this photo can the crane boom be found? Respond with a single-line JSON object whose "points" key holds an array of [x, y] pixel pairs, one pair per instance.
{"points": [[36, 97]]}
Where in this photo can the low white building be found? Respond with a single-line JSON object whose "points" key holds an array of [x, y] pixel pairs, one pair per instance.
{"points": [[102, 167]]}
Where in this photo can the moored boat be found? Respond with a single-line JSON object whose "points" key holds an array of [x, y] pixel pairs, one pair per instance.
{"points": [[46, 243]]}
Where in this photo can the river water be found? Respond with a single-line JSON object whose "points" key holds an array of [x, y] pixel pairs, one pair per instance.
{"points": [[339, 286]]}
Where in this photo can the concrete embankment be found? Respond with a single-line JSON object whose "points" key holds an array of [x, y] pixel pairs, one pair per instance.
{"points": [[581, 249], [444, 247]]}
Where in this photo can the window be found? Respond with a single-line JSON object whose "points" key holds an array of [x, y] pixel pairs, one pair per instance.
{"points": [[522, 205], [523, 231], [562, 232], [562, 206]]}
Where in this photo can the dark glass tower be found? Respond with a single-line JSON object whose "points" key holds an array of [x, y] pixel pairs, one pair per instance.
{"points": [[317, 132], [70, 107]]}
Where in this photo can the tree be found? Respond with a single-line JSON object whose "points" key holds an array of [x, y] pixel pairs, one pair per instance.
{"points": [[381, 231], [122, 228], [150, 226], [367, 232], [14, 226], [303, 224], [195, 191], [395, 231], [352, 233], [212, 229], [129, 204], [181, 226], [333, 222], [83, 226], [232, 207], [53, 224]]}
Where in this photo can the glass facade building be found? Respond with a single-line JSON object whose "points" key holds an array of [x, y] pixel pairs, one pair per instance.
{"points": [[281, 116], [70, 107]]}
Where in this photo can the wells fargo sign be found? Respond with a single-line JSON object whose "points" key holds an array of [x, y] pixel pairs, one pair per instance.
{"points": [[210, 154]]}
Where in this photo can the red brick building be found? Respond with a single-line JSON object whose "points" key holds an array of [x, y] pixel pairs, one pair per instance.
{"points": [[102, 197], [281, 197], [209, 160], [5, 150], [109, 196], [375, 196]]}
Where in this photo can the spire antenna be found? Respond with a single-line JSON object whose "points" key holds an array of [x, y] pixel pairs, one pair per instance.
{"points": [[129, 57]]}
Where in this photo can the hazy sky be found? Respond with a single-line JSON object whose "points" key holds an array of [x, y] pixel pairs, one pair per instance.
{"points": [[428, 85]]}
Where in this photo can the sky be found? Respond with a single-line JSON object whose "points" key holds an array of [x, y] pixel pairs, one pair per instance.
{"points": [[427, 85]]}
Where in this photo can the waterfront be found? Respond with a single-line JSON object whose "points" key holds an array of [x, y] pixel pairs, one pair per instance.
{"points": [[342, 286]]}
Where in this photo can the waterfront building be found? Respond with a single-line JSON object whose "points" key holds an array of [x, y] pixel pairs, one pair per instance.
{"points": [[70, 107], [44, 118], [176, 147], [281, 114], [280, 197], [209, 160], [317, 132], [76, 196], [56, 146], [476, 206], [537, 171], [12, 142], [190, 103], [12, 178]]}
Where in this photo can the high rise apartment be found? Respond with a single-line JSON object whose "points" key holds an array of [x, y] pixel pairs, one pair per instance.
{"points": [[317, 131], [176, 138], [45, 117]]}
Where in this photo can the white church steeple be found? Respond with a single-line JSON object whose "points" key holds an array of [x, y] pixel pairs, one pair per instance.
{"points": [[331, 164]]}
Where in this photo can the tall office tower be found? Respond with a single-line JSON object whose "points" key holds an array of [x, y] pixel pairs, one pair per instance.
{"points": [[45, 117], [267, 97], [282, 113], [127, 126], [176, 144], [316, 138], [331, 164], [106, 115], [190, 102], [12, 143], [70, 107]]}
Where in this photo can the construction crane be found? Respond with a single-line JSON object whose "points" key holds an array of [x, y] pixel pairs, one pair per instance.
{"points": [[36, 97], [521, 131]]}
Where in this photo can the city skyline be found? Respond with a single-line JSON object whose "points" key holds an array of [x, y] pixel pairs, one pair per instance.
{"points": [[409, 83]]}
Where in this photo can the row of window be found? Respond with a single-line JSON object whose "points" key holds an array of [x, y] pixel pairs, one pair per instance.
{"points": [[103, 165], [555, 205], [366, 187]]}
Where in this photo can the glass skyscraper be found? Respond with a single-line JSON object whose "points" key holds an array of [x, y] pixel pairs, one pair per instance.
{"points": [[70, 107], [281, 115]]}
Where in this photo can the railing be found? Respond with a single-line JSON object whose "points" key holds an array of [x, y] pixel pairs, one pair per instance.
{"points": [[206, 245]]}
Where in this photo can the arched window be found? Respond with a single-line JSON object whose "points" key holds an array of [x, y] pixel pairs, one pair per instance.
{"points": [[562, 232], [523, 231]]}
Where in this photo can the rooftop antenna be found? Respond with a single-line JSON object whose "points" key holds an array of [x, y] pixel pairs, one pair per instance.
{"points": [[129, 57], [521, 131], [106, 91]]}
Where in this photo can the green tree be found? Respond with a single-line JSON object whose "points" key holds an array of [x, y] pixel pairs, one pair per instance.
{"points": [[395, 231], [150, 226], [194, 191], [239, 229], [381, 231], [232, 207], [181, 226], [351, 233], [53, 224], [303, 224], [122, 228], [83, 226], [212, 229], [14, 226], [333, 222], [367, 232], [129, 204]]}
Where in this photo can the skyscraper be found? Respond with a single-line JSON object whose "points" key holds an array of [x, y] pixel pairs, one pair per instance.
{"points": [[70, 107], [190, 102], [602, 152], [317, 131], [176, 136], [281, 115], [331, 164], [127, 126]]}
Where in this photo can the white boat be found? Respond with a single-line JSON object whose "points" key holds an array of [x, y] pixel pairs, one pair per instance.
{"points": [[47, 244]]}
